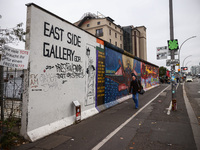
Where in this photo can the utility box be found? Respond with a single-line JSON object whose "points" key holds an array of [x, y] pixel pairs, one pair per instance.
{"points": [[78, 111]]}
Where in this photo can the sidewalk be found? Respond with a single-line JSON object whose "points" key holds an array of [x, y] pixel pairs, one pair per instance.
{"points": [[150, 129], [162, 131]]}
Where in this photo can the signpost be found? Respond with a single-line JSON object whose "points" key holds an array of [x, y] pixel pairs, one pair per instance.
{"points": [[175, 52], [170, 62], [173, 46], [162, 52], [184, 68]]}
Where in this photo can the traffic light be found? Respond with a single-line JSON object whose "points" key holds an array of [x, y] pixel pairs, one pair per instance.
{"points": [[184, 68], [173, 44]]}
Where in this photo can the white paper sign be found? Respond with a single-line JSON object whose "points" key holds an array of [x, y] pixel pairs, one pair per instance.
{"points": [[14, 58], [162, 52]]}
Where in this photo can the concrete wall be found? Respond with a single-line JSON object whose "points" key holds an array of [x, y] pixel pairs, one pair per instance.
{"points": [[68, 64], [57, 73]]}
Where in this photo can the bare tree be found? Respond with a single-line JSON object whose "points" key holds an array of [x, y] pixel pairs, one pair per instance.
{"points": [[12, 35]]}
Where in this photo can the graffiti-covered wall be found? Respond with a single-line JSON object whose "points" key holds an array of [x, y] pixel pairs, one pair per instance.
{"points": [[119, 69], [68, 64], [149, 75]]}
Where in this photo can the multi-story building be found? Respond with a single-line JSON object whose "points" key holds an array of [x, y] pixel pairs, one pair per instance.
{"points": [[129, 38], [195, 70]]}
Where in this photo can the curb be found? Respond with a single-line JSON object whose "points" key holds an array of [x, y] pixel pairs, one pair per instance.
{"points": [[193, 120]]}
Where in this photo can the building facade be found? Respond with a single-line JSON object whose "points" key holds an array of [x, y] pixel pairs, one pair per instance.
{"points": [[195, 70], [130, 38]]}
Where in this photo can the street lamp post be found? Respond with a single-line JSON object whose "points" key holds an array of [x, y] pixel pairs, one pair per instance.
{"points": [[180, 48], [187, 63], [185, 59], [173, 89]]}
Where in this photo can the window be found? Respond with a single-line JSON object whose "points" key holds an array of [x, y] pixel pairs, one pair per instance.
{"points": [[120, 45], [115, 27], [99, 32], [98, 23], [115, 43], [109, 23], [115, 35], [109, 32], [120, 37], [88, 25]]}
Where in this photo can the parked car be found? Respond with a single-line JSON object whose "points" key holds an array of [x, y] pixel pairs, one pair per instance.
{"points": [[189, 79]]}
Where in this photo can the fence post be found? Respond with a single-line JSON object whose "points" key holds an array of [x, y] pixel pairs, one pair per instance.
{"points": [[1, 92]]}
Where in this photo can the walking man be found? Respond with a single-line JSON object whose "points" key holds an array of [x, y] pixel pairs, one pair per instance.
{"points": [[134, 88]]}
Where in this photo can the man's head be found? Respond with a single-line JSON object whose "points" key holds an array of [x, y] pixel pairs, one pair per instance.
{"points": [[133, 77]]}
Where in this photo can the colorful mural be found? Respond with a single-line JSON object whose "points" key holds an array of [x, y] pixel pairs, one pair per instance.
{"points": [[119, 69], [100, 77], [149, 75], [115, 85]]}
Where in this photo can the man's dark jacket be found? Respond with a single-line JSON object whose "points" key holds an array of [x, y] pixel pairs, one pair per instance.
{"points": [[135, 86]]}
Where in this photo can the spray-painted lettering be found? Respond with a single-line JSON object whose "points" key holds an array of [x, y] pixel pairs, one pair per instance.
{"points": [[49, 81], [34, 80], [73, 39], [49, 67], [67, 70], [58, 52], [52, 31]]}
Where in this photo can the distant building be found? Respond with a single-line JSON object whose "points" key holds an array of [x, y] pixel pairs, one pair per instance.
{"points": [[130, 38], [195, 70]]}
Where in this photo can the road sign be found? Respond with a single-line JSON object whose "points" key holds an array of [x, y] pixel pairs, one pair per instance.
{"points": [[162, 52], [184, 68], [175, 53], [170, 62], [173, 44]]}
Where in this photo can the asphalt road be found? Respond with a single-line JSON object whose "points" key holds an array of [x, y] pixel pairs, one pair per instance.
{"points": [[193, 93], [151, 127]]}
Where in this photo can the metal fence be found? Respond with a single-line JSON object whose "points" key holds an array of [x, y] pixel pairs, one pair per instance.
{"points": [[12, 92]]}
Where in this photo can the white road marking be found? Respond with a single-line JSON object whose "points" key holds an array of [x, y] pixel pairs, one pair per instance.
{"points": [[169, 109], [98, 146], [177, 86]]}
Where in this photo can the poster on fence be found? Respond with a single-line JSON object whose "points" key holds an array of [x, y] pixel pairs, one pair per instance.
{"points": [[14, 58]]}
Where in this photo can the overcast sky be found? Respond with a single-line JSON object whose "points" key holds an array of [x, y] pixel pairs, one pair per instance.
{"points": [[153, 14]]}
